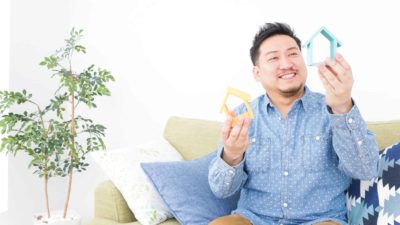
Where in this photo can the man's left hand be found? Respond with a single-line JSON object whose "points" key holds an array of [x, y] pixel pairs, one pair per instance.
{"points": [[337, 78]]}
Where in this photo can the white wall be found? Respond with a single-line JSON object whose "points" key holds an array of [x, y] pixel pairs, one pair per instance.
{"points": [[177, 57], [4, 73]]}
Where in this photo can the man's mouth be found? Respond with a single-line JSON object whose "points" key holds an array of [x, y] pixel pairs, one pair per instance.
{"points": [[287, 76]]}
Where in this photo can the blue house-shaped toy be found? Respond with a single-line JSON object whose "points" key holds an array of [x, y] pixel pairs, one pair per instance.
{"points": [[333, 42]]}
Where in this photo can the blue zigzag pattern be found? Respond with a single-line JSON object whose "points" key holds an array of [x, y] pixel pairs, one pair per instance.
{"points": [[392, 206], [366, 211], [360, 212], [371, 196]]}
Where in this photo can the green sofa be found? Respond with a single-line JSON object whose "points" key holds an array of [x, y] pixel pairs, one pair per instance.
{"points": [[194, 138]]}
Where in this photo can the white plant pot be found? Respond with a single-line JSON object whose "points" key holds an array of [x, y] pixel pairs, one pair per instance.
{"points": [[73, 218]]}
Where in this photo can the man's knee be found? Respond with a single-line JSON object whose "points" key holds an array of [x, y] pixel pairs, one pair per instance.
{"points": [[234, 219]]}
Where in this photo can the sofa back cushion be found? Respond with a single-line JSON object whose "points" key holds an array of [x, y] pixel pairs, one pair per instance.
{"points": [[194, 138], [387, 132]]}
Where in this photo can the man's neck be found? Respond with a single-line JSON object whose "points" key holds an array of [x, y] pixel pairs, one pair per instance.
{"points": [[284, 102]]}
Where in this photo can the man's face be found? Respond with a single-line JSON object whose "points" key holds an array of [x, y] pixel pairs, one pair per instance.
{"points": [[280, 67]]}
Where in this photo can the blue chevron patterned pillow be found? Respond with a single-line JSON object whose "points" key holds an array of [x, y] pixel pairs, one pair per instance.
{"points": [[377, 202]]}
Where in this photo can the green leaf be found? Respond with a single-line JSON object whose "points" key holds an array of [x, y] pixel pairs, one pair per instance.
{"points": [[44, 135]]}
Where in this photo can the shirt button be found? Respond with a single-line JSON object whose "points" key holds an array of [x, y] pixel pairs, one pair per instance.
{"points": [[253, 140], [350, 120], [279, 118], [286, 173], [317, 138], [359, 142], [227, 183], [231, 172], [285, 205]]}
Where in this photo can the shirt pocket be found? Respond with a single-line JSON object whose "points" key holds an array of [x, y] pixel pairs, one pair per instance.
{"points": [[317, 153], [258, 164], [258, 155]]}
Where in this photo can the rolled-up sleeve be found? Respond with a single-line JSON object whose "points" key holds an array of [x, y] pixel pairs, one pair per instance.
{"points": [[225, 180], [355, 145]]}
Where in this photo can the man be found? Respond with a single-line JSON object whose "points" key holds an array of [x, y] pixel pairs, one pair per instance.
{"points": [[294, 161]]}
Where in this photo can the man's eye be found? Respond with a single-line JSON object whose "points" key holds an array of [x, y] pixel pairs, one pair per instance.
{"points": [[293, 54], [272, 59]]}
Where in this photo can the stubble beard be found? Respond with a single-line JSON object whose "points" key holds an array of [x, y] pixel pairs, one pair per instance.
{"points": [[294, 91]]}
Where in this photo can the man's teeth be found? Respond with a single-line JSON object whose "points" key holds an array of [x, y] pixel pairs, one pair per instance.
{"points": [[288, 76]]}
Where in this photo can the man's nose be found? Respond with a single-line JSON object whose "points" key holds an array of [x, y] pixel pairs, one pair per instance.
{"points": [[285, 63]]}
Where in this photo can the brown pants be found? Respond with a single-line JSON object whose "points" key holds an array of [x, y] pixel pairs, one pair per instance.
{"points": [[236, 219]]}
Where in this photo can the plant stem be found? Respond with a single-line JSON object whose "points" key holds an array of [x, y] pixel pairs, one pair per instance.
{"points": [[73, 130], [41, 116], [46, 179], [46, 175], [68, 193]]}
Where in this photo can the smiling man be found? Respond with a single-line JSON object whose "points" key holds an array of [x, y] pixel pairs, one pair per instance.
{"points": [[294, 161]]}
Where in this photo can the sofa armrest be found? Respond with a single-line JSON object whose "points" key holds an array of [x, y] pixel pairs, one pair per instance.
{"points": [[110, 204]]}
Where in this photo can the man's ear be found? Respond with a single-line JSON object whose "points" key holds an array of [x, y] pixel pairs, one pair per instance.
{"points": [[256, 73]]}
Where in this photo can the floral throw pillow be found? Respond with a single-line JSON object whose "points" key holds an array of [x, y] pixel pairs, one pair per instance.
{"points": [[122, 166]]}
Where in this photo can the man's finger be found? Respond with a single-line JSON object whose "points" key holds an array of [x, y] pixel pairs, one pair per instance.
{"points": [[233, 136], [244, 131], [226, 129], [328, 75], [347, 75], [342, 61], [335, 67], [325, 83]]}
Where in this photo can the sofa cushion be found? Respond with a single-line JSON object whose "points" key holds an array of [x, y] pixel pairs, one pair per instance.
{"points": [[122, 166], [377, 201], [184, 188], [110, 204], [386, 132], [192, 138]]}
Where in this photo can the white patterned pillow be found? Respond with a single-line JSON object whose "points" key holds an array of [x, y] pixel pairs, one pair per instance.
{"points": [[122, 166]]}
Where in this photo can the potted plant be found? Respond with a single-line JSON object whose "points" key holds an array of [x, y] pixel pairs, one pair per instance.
{"points": [[55, 137]]}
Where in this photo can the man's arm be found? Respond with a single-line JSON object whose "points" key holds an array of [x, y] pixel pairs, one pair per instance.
{"points": [[353, 143], [226, 173], [225, 180]]}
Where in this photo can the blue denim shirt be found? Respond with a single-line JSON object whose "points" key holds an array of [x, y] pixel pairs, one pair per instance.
{"points": [[296, 169]]}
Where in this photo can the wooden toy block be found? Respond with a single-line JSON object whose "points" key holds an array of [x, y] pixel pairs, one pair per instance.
{"points": [[243, 96]]}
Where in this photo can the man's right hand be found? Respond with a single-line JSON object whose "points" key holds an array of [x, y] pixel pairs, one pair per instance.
{"points": [[235, 139]]}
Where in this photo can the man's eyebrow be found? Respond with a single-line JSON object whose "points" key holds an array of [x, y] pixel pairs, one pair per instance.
{"points": [[270, 52], [293, 48], [275, 51]]}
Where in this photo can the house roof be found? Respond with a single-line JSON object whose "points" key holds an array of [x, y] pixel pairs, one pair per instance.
{"points": [[326, 33]]}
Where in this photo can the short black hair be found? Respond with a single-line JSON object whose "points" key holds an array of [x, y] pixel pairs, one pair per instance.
{"points": [[268, 30]]}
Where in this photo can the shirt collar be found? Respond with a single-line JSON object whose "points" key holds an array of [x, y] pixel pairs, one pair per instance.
{"points": [[305, 100], [266, 103]]}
